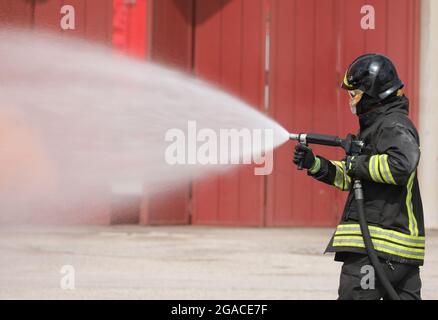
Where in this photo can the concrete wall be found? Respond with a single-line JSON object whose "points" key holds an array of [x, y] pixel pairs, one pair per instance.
{"points": [[429, 111]]}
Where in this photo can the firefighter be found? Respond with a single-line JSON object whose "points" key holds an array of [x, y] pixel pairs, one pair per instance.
{"points": [[387, 168]]}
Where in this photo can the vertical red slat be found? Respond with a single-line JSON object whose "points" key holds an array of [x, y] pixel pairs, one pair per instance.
{"points": [[230, 78], [207, 65], [172, 32], [119, 26], [98, 17], [129, 28], [303, 98], [282, 53], [296, 50], [229, 52], [251, 188], [47, 14], [324, 209], [16, 13], [303, 108], [138, 35], [208, 33], [171, 44]]}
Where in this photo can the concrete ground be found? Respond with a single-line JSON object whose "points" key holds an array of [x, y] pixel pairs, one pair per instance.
{"points": [[134, 262]]}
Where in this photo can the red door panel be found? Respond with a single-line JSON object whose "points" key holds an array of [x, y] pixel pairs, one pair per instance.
{"points": [[229, 51]]}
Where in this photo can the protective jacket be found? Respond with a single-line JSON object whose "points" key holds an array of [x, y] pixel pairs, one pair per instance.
{"points": [[387, 168]]}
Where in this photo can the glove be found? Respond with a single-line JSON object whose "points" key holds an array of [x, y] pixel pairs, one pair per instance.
{"points": [[351, 164], [304, 155]]}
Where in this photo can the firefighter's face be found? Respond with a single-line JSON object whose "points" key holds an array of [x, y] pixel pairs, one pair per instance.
{"points": [[355, 96]]}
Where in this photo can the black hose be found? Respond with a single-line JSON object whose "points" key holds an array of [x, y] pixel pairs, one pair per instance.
{"points": [[358, 192]]}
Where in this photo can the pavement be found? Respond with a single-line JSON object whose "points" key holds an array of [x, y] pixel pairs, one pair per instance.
{"points": [[183, 262]]}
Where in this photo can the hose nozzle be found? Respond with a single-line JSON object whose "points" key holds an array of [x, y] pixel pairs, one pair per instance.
{"points": [[350, 144]]}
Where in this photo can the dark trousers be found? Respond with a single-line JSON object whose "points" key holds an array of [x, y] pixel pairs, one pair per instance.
{"points": [[358, 280]]}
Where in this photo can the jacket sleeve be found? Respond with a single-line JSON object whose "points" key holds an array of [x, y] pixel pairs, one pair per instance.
{"points": [[397, 157], [332, 173]]}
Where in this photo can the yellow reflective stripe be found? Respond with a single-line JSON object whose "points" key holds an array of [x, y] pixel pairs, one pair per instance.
{"points": [[371, 169], [379, 246], [382, 170], [413, 227], [339, 179], [347, 179], [387, 171], [342, 181], [374, 234], [376, 169], [396, 246], [337, 163], [379, 169], [396, 233], [370, 166]]}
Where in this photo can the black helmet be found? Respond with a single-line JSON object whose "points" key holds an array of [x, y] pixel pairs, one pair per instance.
{"points": [[374, 74]]}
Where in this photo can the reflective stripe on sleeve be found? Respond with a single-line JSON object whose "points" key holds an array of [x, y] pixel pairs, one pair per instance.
{"points": [[342, 181], [373, 168], [387, 175]]}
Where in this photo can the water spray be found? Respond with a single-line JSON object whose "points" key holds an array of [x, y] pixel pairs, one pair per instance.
{"points": [[103, 125], [352, 147]]}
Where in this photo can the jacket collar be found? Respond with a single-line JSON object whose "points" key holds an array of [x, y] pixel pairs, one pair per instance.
{"points": [[397, 104]]}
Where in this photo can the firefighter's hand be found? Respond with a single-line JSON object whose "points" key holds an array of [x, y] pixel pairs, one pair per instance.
{"points": [[351, 164], [303, 155]]}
